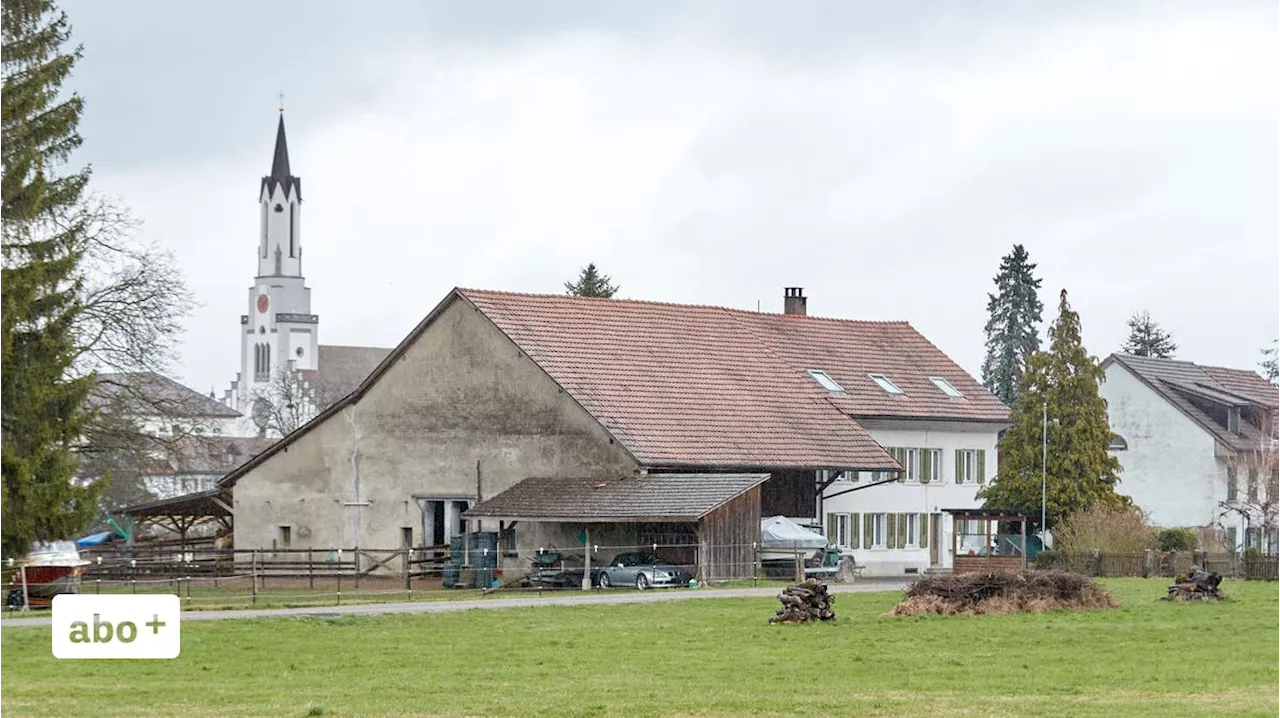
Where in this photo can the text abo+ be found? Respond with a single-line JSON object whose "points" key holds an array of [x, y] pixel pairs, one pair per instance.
{"points": [[94, 626]]}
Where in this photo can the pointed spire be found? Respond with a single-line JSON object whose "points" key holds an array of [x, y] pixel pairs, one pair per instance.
{"points": [[280, 164]]}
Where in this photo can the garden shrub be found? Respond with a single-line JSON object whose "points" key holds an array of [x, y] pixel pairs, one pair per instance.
{"points": [[1109, 530], [1046, 559], [1176, 539]]}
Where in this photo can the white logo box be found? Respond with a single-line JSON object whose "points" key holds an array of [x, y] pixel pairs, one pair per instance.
{"points": [[94, 626]]}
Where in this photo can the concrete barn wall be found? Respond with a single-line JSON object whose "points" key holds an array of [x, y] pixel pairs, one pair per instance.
{"points": [[1169, 468], [462, 394]]}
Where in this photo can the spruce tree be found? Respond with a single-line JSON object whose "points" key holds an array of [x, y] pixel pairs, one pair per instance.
{"points": [[1269, 366], [591, 284], [1080, 471], [1147, 338], [43, 401], [1014, 313]]}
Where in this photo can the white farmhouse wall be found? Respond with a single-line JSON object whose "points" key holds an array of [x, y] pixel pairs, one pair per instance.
{"points": [[1169, 467], [914, 497]]}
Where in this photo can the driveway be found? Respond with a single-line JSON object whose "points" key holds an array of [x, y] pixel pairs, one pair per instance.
{"points": [[566, 598]]}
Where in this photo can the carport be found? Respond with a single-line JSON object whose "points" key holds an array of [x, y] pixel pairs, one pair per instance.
{"points": [[181, 513], [710, 522]]}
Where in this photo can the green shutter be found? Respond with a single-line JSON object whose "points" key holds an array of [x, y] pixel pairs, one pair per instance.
{"points": [[890, 528], [982, 466], [1231, 483], [924, 530], [866, 530], [902, 530], [832, 528], [959, 466], [926, 465], [900, 455], [853, 530]]}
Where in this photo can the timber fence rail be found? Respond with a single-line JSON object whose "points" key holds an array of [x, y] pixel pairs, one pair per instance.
{"points": [[1168, 564]]}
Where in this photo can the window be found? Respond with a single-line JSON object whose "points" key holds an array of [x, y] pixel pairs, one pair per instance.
{"points": [[913, 530], [826, 381], [838, 530], [1232, 489], [878, 530], [912, 464], [946, 387], [1118, 444], [286, 536], [1253, 485], [1231, 540], [966, 466], [884, 383], [406, 537]]}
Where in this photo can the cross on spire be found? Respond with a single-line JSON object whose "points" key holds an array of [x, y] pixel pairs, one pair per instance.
{"points": [[282, 100]]}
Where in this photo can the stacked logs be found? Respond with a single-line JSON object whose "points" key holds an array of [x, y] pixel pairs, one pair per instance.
{"points": [[1199, 586], [805, 601]]}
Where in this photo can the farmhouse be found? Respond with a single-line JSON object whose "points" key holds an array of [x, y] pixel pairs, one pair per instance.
{"points": [[493, 390], [1198, 445]]}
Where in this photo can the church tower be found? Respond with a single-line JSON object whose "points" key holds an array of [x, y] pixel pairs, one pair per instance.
{"points": [[279, 333]]}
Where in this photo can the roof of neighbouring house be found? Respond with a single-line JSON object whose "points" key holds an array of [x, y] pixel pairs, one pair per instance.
{"points": [[341, 369], [650, 497], [684, 386], [1189, 387], [151, 394]]}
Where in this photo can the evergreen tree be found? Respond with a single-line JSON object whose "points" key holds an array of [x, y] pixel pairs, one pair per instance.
{"points": [[1012, 326], [43, 401], [1147, 339], [591, 284], [1080, 472], [1270, 370]]}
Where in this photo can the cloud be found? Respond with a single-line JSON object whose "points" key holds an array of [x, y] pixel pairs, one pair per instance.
{"points": [[1134, 155]]}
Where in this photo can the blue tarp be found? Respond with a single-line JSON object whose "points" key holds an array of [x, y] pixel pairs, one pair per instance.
{"points": [[94, 539]]}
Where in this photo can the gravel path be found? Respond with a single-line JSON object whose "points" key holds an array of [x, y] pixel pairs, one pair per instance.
{"points": [[556, 599]]}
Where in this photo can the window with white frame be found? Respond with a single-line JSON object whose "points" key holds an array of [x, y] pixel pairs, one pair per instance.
{"points": [[967, 466], [878, 530], [912, 464], [838, 530], [946, 387], [825, 380], [884, 383], [913, 530]]}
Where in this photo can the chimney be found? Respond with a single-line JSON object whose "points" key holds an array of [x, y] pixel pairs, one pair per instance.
{"points": [[794, 302]]}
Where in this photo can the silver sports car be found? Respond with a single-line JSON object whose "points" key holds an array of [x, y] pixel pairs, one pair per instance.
{"points": [[642, 570]]}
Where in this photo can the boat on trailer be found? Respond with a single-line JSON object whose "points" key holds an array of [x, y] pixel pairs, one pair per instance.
{"points": [[50, 568]]}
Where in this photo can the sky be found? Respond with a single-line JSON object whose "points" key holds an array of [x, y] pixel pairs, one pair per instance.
{"points": [[884, 156]]}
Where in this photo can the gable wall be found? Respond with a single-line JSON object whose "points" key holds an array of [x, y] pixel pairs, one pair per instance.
{"points": [[461, 394], [1169, 468]]}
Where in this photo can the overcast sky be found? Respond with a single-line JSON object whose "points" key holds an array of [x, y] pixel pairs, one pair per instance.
{"points": [[883, 156]]}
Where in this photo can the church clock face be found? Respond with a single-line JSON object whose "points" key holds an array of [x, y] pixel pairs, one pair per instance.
{"points": [[263, 302]]}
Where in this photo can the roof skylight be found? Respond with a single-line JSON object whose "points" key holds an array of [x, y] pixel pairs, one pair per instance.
{"points": [[946, 387], [825, 380], [885, 384]]}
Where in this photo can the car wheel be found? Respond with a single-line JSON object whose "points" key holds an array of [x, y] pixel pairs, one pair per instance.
{"points": [[642, 582], [604, 580]]}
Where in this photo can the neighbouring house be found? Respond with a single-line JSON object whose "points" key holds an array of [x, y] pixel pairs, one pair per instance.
{"points": [[1198, 445], [495, 389], [174, 438]]}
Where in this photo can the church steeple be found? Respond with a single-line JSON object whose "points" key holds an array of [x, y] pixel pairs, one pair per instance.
{"points": [[280, 175]]}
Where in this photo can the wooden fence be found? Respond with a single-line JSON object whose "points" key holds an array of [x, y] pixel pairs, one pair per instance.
{"points": [[1156, 563]]}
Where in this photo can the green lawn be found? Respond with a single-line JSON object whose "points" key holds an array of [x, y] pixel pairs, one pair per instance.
{"points": [[700, 657]]}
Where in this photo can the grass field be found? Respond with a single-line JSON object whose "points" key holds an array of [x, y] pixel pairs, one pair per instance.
{"points": [[700, 657]]}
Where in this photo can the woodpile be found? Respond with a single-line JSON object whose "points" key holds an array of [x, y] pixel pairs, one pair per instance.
{"points": [[1199, 586], [805, 601]]}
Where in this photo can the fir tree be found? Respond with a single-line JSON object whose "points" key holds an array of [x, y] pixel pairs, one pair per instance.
{"points": [[1147, 339], [1270, 370], [1080, 472], [591, 284], [43, 401], [1013, 325]]}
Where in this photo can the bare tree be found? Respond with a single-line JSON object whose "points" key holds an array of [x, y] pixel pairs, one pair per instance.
{"points": [[287, 403], [1257, 466]]}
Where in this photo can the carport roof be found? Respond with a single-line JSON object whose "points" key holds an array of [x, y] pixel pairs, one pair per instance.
{"points": [[649, 497]]}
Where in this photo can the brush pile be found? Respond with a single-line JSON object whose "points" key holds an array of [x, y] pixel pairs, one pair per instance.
{"points": [[1199, 586], [805, 601], [1003, 592]]}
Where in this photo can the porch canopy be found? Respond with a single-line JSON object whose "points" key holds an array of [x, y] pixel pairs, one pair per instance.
{"points": [[180, 513], [978, 545], [673, 498]]}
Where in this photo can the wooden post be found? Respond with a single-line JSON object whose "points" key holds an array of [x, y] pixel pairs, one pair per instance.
{"points": [[26, 598], [1024, 541], [311, 571], [339, 577], [407, 588], [253, 574], [586, 569], [755, 547]]}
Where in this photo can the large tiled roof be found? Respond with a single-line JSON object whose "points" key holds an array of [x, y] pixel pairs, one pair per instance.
{"points": [[652, 497], [1187, 386], [150, 394], [688, 385]]}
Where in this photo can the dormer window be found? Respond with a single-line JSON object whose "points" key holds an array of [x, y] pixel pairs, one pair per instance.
{"points": [[946, 387], [883, 382], [825, 381]]}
